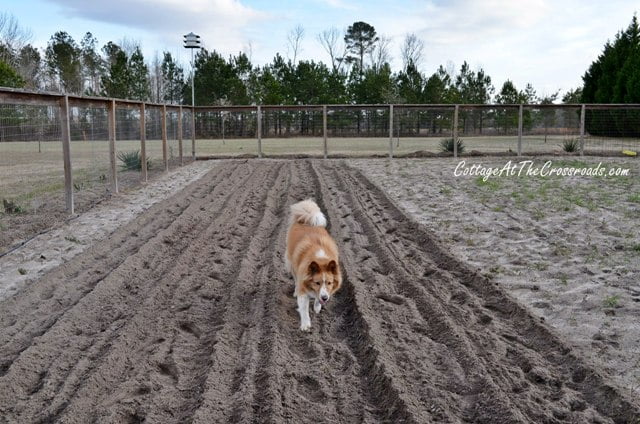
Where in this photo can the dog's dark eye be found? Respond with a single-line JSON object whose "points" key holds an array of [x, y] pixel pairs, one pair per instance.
{"points": [[317, 283], [329, 283]]}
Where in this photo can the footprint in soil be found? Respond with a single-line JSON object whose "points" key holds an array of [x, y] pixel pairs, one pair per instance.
{"points": [[309, 388], [191, 328], [169, 369]]}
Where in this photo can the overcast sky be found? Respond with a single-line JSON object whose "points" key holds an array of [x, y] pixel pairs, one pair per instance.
{"points": [[548, 43]]}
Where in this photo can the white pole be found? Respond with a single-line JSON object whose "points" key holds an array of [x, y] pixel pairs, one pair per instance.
{"points": [[193, 111]]}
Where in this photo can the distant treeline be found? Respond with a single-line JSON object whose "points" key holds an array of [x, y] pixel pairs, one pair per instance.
{"points": [[358, 73]]}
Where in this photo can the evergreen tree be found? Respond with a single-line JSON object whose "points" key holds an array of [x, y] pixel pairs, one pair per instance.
{"points": [[360, 39], [438, 88], [173, 79], [64, 62], [411, 84], [9, 77], [116, 80], [92, 64], [615, 78], [216, 81], [374, 86], [139, 84]]}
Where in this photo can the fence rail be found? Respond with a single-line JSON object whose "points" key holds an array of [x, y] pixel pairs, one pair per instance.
{"points": [[320, 130]]}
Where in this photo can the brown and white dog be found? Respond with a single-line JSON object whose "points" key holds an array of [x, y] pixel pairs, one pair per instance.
{"points": [[312, 259]]}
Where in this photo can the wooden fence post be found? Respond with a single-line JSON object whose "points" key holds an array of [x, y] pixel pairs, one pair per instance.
{"points": [[324, 128], [390, 131], [455, 131], [180, 135], [163, 122], [143, 141], [520, 110], [112, 145], [583, 110], [259, 130], [66, 152]]}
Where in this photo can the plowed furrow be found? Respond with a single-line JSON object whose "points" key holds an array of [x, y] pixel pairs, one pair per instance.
{"points": [[228, 386], [174, 349], [315, 375], [513, 363], [187, 315], [57, 292], [438, 324], [92, 327]]}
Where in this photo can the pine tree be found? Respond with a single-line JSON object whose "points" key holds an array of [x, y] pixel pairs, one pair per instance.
{"points": [[64, 63], [615, 78], [139, 88]]}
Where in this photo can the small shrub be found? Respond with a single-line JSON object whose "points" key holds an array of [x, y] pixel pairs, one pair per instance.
{"points": [[11, 207], [446, 145], [22, 271], [132, 161], [570, 145], [611, 301]]}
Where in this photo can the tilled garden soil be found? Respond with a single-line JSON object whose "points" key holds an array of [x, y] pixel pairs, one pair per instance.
{"points": [[186, 315]]}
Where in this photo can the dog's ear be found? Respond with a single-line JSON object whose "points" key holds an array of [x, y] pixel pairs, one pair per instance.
{"points": [[314, 268], [332, 267]]}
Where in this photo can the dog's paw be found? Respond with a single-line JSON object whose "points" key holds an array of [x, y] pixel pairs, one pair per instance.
{"points": [[317, 307], [305, 326]]}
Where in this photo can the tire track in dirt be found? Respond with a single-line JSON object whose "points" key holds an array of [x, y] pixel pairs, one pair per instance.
{"points": [[187, 315]]}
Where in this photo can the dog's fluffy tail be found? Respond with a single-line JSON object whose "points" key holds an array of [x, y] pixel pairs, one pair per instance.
{"points": [[307, 212]]}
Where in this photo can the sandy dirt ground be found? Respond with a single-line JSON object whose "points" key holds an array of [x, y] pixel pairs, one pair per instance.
{"points": [[567, 247], [185, 314], [65, 237]]}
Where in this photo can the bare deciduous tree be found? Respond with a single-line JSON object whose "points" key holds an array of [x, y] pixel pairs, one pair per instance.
{"points": [[13, 38], [294, 39], [380, 53], [412, 51], [331, 42]]}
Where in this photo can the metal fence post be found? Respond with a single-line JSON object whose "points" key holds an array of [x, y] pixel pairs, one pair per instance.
{"points": [[259, 130], [390, 131], [324, 128], [583, 111], [143, 141], [180, 134], [193, 133], [112, 145], [163, 122], [65, 128], [520, 109], [455, 130]]}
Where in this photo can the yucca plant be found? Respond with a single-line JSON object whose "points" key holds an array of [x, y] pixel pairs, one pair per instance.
{"points": [[132, 161], [446, 145], [570, 145]]}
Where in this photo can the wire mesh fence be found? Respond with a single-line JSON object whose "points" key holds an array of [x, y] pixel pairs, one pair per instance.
{"points": [[30, 156], [108, 138]]}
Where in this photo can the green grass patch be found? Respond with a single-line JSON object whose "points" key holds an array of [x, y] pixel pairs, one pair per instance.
{"points": [[491, 184], [611, 301]]}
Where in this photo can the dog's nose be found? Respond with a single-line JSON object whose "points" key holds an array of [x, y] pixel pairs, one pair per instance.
{"points": [[324, 297]]}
